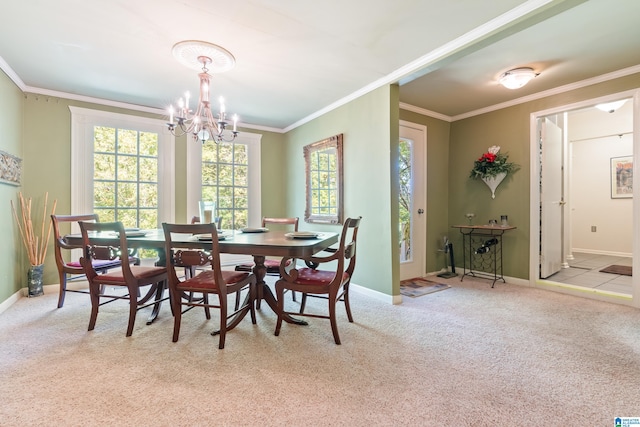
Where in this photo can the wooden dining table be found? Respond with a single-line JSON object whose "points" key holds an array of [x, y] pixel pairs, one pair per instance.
{"points": [[257, 244]]}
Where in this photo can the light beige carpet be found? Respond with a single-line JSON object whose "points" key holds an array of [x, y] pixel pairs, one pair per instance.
{"points": [[470, 356]]}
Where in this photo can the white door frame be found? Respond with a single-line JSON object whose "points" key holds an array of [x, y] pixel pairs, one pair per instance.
{"points": [[534, 182], [419, 221]]}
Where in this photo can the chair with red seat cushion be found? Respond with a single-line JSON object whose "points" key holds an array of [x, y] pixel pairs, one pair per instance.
{"points": [[72, 270], [331, 284], [212, 280], [131, 277]]}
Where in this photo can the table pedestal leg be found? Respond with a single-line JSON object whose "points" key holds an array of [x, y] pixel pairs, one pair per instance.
{"points": [[264, 292], [158, 304]]}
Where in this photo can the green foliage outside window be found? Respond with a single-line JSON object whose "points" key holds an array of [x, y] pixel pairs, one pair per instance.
{"points": [[125, 180], [324, 188], [404, 171], [225, 180]]}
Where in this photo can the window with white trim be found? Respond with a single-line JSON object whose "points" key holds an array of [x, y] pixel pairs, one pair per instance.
{"points": [[227, 173], [121, 168]]}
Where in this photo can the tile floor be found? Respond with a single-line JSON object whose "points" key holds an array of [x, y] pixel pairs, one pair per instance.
{"points": [[584, 270]]}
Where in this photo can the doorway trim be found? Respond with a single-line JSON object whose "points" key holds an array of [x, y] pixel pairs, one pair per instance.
{"points": [[534, 182], [418, 235]]}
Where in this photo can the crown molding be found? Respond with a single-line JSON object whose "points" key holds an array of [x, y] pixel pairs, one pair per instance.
{"points": [[425, 112], [11, 74], [555, 91]]}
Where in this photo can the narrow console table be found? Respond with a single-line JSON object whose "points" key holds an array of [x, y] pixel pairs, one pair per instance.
{"points": [[482, 251]]}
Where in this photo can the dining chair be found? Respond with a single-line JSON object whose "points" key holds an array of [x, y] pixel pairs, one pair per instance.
{"points": [[72, 270], [211, 281], [131, 277], [332, 284]]}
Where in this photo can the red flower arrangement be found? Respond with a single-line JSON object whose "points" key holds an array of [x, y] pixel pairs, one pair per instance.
{"points": [[491, 164]]}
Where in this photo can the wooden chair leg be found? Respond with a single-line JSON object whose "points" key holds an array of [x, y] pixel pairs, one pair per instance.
{"points": [[133, 310], [95, 304], [63, 289], [205, 300], [347, 306], [223, 321], [332, 318], [252, 301], [177, 315], [237, 304], [280, 299], [303, 303]]}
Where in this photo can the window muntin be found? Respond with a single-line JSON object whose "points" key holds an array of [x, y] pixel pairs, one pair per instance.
{"points": [[125, 178], [225, 168]]}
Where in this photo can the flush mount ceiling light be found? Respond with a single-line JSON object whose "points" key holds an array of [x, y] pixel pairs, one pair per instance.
{"points": [[610, 107], [516, 78]]}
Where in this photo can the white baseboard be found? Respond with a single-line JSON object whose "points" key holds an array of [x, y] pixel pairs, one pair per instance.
{"points": [[389, 299], [598, 252], [11, 300]]}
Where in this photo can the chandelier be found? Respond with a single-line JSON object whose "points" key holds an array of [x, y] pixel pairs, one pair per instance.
{"points": [[201, 123]]}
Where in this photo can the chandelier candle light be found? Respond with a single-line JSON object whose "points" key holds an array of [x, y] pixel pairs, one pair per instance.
{"points": [[201, 123]]}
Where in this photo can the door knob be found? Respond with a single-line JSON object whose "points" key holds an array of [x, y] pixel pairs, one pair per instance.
{"points": [[420, 211]]}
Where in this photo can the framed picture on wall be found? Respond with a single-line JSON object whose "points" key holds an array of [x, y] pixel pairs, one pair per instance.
{"points": [[622, 177], [10, 169]]}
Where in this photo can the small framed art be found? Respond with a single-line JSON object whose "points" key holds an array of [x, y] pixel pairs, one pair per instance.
{"points": [[10, 169], [622, 177]]}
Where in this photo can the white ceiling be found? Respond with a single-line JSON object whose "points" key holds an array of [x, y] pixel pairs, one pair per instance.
{"points": [[296, 58]]}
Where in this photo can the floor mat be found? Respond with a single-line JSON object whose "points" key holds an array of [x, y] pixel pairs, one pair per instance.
{"points": [[417, 287], [624, 270]]}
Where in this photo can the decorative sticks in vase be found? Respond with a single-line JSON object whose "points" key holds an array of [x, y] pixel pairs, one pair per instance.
{"points": [[36, 245]]}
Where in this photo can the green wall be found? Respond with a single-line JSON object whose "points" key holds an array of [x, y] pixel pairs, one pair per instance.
{"points": [[508, 128], [370, 128], [12, 277], [437, 188], [273, 174]]}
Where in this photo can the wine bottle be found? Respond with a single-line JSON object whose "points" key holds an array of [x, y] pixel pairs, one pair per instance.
{"points": [[483, 250], [491, 242]]}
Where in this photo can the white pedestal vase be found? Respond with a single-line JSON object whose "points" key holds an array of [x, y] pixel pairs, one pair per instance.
{"points": [[493, 182]]}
